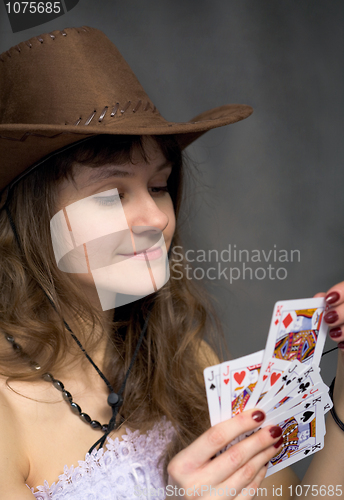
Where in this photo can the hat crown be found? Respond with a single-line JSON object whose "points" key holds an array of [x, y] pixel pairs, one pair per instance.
{"points": [[70, 77], [62, 87]]}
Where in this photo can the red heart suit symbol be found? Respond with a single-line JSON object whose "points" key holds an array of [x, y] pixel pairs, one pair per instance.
{"points": [[226, 380], [274, 378], [239, 377]]}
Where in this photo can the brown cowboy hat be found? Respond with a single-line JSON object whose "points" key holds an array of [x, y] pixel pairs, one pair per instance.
{"points": [[62, 87]]}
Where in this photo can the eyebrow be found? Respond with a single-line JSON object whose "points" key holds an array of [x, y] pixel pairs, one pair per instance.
{"points": [[116, 171]]}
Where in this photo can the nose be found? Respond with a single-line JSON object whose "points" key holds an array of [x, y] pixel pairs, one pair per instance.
{"points": [[145, 215]]}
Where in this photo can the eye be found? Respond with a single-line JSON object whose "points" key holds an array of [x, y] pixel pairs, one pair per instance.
{"points": [[159, 189], [108, 200]]}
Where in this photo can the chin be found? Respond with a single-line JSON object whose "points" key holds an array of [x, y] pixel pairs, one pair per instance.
{"points": [[119, 285]]}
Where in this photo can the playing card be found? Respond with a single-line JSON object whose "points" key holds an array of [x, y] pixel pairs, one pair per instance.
{"points": [[212, 387], [317, 391], [284, 380], [303, 434], [238, 380], [299, 385], [292, 370], [269, 379], [297, 333]]}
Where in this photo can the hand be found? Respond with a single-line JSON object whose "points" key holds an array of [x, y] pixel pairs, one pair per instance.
{"points": [[334, 314], [334, 317], [243, 465]]}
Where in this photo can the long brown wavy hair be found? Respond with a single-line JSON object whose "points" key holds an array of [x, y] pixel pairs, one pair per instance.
{"points": [[167, 377]]}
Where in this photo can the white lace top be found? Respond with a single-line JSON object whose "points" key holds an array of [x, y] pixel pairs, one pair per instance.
{"points": [[126, 470]]}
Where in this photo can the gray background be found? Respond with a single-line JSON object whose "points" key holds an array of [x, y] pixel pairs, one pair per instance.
{"points": [[273, 179]]}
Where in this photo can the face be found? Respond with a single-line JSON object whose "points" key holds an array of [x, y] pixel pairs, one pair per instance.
{"points": [[114, 225]]}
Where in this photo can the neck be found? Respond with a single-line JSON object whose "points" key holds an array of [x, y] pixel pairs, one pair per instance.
{"points": [[97, 343]]}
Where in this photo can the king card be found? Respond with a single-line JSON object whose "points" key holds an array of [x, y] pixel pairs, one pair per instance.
{"points": [[297, 333], [300, 384], [303, 435], [270, 379]]}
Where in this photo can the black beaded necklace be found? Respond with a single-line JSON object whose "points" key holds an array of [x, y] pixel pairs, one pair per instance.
{"points": [[114, 400]]}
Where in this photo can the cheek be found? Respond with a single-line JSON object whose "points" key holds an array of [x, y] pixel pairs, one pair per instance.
{"points": [[169, 211]]}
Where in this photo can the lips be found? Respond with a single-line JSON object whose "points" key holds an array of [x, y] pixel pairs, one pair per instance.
{"points": [[150, 253]]}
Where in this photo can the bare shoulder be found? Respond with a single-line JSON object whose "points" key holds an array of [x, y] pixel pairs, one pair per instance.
{"points": [[278, 484], [14, 464]]}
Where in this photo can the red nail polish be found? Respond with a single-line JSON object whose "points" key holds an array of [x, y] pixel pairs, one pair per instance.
{"points": [[331, 317], [332, 297], [275, 431], [258, 416], [341, 345], [279, 442], [334, 333]]}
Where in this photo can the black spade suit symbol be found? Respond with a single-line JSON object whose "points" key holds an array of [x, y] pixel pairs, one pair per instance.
{"points": [[306, 452], [307, 415], [212, 386]]}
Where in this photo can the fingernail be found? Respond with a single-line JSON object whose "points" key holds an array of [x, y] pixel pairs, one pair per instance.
{"points": [[331, 317], [341, 345], [334, 333], [275, 431], [332, 297], [279, 442], [258, 416]]}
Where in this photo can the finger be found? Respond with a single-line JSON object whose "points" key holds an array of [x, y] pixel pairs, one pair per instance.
{"points": [[246, 454], [334, 317], [251, 490], [247, 474], [335, 295], [318, 295], [213, 440]]}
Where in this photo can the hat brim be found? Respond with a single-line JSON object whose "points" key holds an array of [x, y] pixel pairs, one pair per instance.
{"points": [[25, 145]]}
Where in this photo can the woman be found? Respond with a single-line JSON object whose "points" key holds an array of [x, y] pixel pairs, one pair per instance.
{"points": [[91, 181]]}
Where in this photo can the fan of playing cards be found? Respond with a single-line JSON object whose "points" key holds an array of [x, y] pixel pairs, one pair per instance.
{"points": [[283, 380]]}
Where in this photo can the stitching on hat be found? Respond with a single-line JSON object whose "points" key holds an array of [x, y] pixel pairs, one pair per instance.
{"points": [[114, 109], [41, 40], [103, 113], [90, 118], [137, 106], [123, 110]]}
